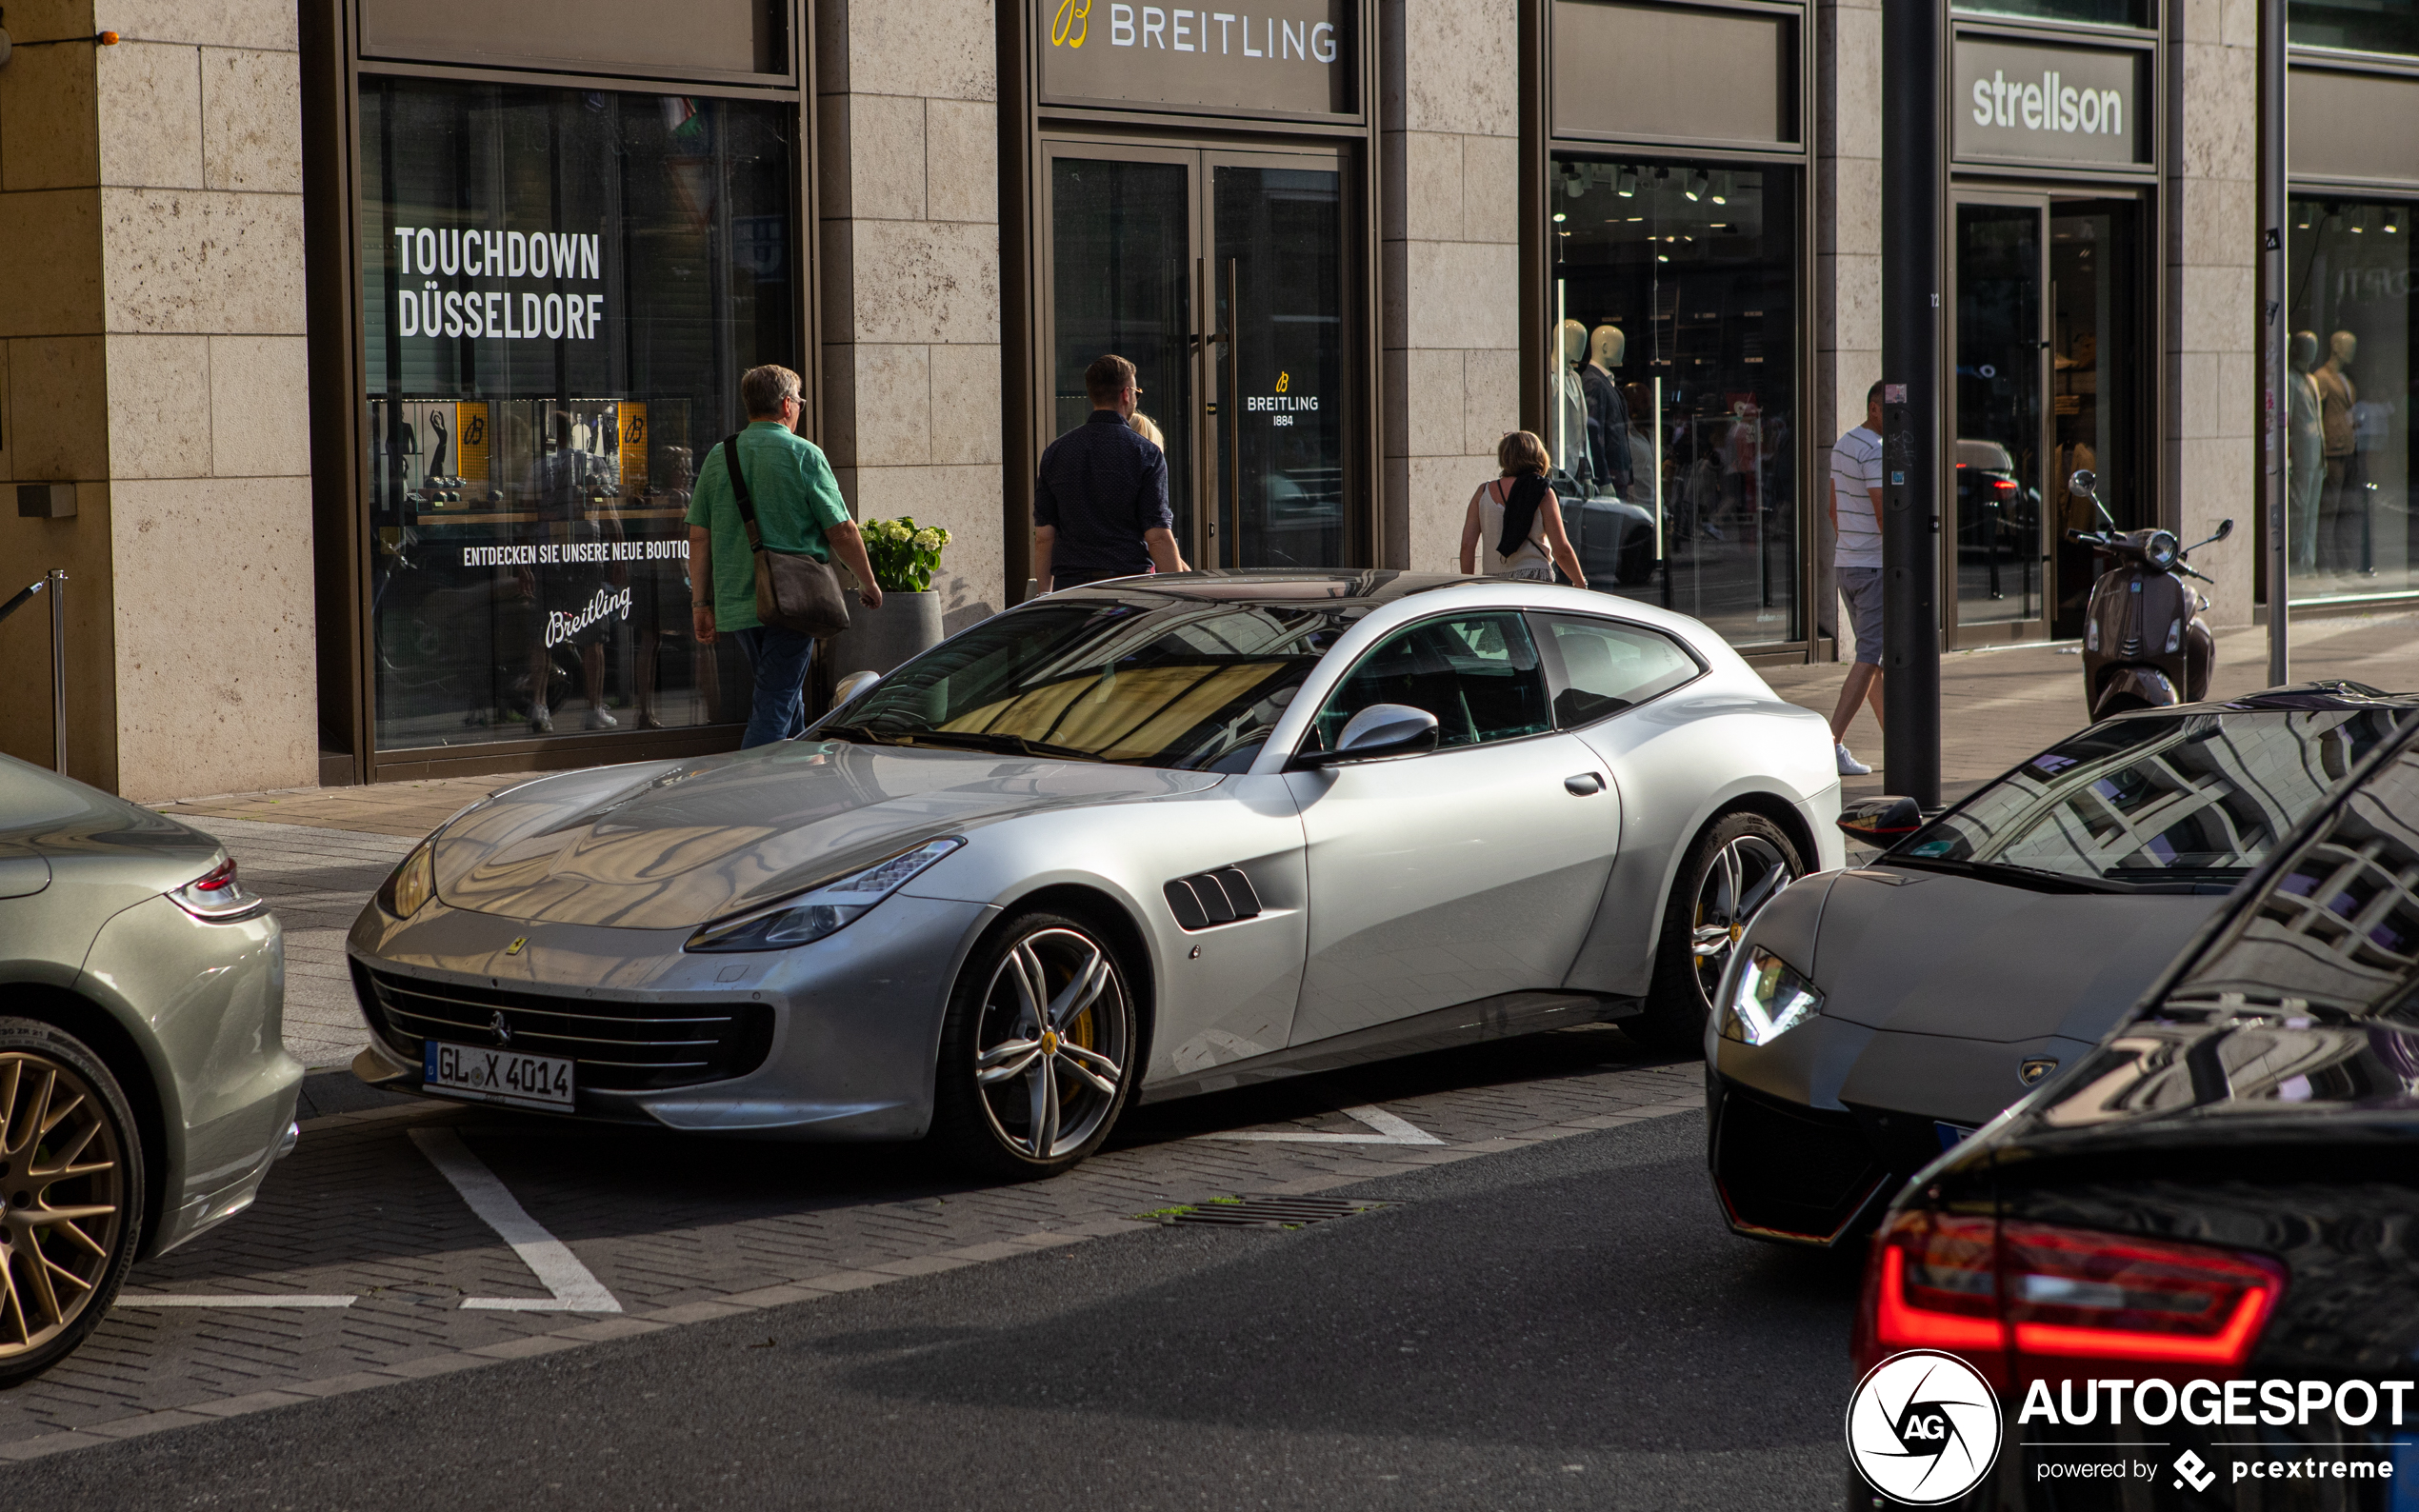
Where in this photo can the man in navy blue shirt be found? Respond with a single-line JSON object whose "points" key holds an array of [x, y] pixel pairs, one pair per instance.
{"points": [[1100, 506]]}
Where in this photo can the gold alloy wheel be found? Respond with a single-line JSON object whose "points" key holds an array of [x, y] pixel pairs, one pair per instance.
{"points": [[62, 1208], [1052, 1042]]}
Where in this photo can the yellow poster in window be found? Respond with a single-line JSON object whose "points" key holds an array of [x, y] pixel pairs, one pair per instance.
{"points": [[470, 440], [633, 453]]}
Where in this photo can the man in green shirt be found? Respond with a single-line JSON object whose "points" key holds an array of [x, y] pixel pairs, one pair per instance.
{"points": [[798, 509]]}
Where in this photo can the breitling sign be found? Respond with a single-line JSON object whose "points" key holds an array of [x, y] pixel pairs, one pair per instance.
{"points": [[1278, 57]]}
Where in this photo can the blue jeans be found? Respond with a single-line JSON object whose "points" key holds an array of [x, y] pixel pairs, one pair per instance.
{"points": [[780, 659]]}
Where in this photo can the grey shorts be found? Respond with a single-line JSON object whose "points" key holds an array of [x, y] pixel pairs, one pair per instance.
{"points": [[1862, 588]]}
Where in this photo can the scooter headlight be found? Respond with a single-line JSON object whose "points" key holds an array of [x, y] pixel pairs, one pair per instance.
{"points": [[1770, 999], [2161, 550]]}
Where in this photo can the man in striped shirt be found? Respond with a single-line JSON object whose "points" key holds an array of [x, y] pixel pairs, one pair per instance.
{"points": [[1856, 514]]}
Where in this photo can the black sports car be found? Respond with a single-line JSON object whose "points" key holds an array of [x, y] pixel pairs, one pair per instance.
{"points": [[1871, 1018], [2191, 1261]]}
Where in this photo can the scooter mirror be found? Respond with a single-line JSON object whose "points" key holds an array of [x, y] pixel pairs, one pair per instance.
{"points": [[2225, 529], [2084, 484]]}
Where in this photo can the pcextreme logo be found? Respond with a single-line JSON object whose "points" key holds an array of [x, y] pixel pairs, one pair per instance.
{"points": [[1923, 1427], [1069, 27]]}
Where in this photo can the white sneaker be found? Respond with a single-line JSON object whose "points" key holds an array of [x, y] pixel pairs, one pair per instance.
{"points": [[541, 722], [598, 719], [1851, 766]]}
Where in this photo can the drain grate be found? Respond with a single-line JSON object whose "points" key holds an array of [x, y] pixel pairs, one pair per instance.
{"points": [[1259, 1212]]}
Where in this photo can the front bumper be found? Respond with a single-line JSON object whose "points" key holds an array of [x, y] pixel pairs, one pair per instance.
{"points": [[1811, 1134], [850, 1025]]}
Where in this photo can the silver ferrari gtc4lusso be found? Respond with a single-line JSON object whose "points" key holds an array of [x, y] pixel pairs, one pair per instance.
{"points": [[1153, 837]]}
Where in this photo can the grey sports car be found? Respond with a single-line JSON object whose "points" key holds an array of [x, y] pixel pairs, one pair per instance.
{"points": [[144, 1089], [1876, 1016], [1145, 838]]}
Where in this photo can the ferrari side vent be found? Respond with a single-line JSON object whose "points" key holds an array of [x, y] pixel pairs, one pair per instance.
{"points": [[1208, 899]]}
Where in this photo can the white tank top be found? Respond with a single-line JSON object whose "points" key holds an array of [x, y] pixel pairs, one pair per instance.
{"points": [[1533, 553]]}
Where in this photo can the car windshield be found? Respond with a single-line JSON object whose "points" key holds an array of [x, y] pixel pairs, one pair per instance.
{"points": [[2177, 799], [1153, 680]]}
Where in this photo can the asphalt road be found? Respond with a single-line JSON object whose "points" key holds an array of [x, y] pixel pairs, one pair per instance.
{"points": [[1562, 1325]]}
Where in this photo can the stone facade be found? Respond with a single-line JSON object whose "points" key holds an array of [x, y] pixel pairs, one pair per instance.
{"points": [[907, 107], [150, 202], [1448, 170], [2211, 383], [1847, 206]]}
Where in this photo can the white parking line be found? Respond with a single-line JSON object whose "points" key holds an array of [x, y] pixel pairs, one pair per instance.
{"points": [[163, 1299], [574, 1287], [1390, 1130]]}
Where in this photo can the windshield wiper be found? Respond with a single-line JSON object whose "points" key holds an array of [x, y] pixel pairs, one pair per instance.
{"points": [[1006, 745]]}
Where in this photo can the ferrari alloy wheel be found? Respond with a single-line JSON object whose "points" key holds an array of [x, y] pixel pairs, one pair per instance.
{"points": [[70, 1195], [1734, 868], [1037, 1056]]}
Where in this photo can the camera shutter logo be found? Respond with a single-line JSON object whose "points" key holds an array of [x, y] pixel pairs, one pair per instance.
{"points": [[1923, 1427]]}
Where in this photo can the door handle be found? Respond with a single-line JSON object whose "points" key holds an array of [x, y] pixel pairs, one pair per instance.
{"points": [[1583, 786]]}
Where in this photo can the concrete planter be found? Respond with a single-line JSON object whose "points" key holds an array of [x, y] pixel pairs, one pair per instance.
{"points": [[879, 640]]}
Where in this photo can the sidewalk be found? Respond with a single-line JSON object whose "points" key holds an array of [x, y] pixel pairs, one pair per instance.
{"points": [[317, 853], [1998, 706]]}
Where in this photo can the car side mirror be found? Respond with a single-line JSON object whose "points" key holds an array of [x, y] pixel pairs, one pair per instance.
{"points": [[1881, 821], [2084, 484], [847, 690], [1377, 732]]}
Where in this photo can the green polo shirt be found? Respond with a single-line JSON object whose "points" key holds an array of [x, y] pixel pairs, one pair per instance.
{"points": [[796, 500]]}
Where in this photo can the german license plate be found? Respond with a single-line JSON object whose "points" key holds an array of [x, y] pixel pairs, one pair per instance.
{"points": [[497, 1076]]}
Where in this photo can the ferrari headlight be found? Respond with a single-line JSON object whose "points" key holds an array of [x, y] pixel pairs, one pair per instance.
{"points": [[1770, 999], [414, 884], [826, 910]]}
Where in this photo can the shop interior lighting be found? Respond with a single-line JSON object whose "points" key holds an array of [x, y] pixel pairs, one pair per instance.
{"points": [[1574, 186], [1627, 185], [2394, 223], [1698, 184], [2359, 219], [1559, 217], [1721, 188], [2303, 223]]}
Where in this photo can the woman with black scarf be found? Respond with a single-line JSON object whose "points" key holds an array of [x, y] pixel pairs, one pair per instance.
{"points": [[1519, 517]]}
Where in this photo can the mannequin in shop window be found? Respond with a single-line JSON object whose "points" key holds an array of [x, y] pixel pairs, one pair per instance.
{"points": [[1566, 417], [1608, 412], [2306, 453], [568, 592], [2343, 514]]}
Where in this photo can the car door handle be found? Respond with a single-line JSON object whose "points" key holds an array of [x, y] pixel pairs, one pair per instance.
{"points": [[1584, 785]]}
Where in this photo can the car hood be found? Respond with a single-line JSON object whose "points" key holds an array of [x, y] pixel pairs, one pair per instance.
{"points": [[1927, 953], [671, 844]]}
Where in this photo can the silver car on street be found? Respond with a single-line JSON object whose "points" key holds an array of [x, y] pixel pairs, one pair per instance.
{"points": [[145, 1088], [1152, 837]]}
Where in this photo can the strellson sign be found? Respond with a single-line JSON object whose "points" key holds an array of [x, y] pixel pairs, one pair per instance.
{"points": [[1279, 57], [2037, 104]]}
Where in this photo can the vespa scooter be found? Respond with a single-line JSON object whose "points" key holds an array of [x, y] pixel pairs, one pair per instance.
{"points": [[2144, 644]]}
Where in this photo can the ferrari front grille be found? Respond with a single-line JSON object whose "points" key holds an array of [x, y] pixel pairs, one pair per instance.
{"points": [[618, 1047]]}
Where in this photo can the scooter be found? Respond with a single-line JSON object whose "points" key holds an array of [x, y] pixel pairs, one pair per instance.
{"points": [[2144, 644]]}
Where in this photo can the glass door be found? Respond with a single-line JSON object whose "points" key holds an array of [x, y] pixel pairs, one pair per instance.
{"points": [[1277, 264], [2095, 387], [1253, 401], [1997, 556], [1122, 263]]}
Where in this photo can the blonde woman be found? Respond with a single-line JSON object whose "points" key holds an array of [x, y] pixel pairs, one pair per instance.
{"points": [[1520, 519], [1143, 425]]}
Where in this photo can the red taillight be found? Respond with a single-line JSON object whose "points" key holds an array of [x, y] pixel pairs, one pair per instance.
{"points": [[2076, 1294], [1985, 1290], [219, 879]]}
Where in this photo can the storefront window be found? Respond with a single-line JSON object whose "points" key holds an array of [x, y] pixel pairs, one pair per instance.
{"points": [[2349, 519], [2092, 13], [2360, 26], [560, 291], [1672, 397]]}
